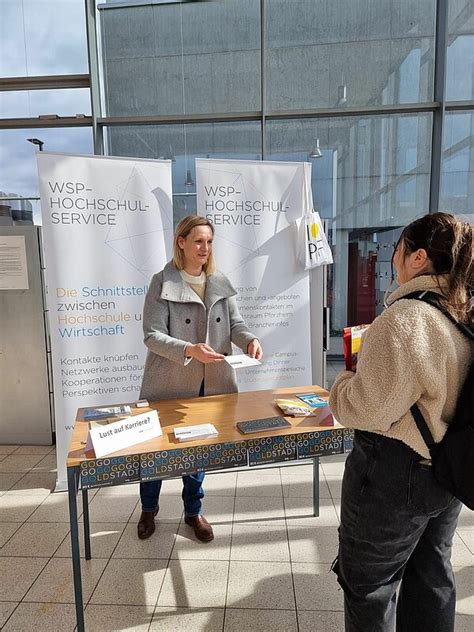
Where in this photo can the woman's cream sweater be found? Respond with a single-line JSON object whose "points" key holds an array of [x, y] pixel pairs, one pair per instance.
{"points": [[410, 353]]}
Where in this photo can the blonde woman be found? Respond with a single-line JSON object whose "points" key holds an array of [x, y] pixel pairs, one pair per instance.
{"points": [[190, 320]]}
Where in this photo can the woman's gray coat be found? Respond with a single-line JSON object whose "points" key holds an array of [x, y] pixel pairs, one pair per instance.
{"points": [[173, 317]]}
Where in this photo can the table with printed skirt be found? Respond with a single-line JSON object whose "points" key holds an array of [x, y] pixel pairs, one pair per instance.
{"points": [[166, 457]]}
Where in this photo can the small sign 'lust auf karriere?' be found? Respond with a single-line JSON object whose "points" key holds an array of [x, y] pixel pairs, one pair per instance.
{"points": [[106, 438]]}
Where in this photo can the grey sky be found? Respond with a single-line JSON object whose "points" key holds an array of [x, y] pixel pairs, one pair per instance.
{"points": [[30, 103], [42, 37]]}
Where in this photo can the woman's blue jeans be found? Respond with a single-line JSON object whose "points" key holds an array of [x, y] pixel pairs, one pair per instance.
{"points": [[192, 493], [397, 528]]}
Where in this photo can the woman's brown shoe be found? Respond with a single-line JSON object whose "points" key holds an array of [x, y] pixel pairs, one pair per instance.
{"points": [[146, 524], [202, 529]]}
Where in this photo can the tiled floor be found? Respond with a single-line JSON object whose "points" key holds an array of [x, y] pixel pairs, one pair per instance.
{"points": [[267, 569]]}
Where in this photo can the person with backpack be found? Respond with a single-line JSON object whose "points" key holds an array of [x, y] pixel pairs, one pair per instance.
{"points": [[397, 520]]}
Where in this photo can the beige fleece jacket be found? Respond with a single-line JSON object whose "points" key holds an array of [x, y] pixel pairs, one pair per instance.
{"points": [[410, 353]]}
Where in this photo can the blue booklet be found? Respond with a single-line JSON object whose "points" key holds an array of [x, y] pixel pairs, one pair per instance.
{"points": [[311, 399], [104, 413]]}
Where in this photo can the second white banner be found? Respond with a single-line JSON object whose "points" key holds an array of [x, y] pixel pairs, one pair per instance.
{"points": [[253, 206]]}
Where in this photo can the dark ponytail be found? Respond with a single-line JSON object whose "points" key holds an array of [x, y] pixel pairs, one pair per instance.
{"points": [[449, 245]]}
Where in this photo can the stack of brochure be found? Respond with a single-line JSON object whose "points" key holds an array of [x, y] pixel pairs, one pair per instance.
{"points": [[294, 408], [190, 433], [103, 413]]}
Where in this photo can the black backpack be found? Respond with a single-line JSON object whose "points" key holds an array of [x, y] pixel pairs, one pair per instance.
{"points": [[452, 458]]}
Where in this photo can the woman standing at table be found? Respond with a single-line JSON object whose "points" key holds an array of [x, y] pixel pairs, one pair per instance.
{"points": [[190, 319], [397, 522]]}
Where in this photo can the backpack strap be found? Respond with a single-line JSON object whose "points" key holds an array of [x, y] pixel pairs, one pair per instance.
{"points": [[432, 298], [422, 426]]}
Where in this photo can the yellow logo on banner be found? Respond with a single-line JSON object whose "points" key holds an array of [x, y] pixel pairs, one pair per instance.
{"points": [[314, 230]]}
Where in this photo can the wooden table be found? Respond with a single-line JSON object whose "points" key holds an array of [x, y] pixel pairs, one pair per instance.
{"points": [[165, 457]]}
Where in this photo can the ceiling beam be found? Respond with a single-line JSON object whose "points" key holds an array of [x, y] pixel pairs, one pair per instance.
{"points": [[47, 82]]}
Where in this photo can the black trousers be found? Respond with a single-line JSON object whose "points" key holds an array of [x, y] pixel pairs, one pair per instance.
{"points": [[397, 528]]}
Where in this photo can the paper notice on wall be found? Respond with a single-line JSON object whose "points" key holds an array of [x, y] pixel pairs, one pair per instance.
{"points": [[13, 267]]}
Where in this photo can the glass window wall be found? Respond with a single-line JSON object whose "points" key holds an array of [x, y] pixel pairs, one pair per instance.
{"points": [[181, 58], [373, 175], [183, 144], [42, 37], [371, 179], [460, 68], [163, 58], [321, 54], [18, 173], [457, 182], [31, 103]]}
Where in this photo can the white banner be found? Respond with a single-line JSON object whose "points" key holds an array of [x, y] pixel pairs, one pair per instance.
{"points": [[254, 205], [107, 228]]}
